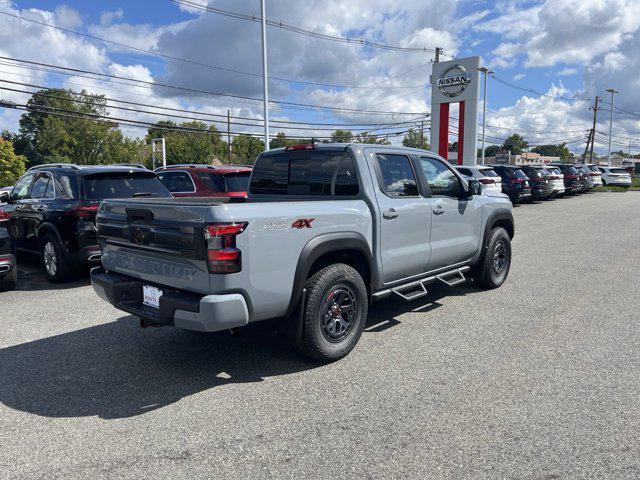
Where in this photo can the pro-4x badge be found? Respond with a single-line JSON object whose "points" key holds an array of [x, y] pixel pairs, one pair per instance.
{"points": [[302, 223]]}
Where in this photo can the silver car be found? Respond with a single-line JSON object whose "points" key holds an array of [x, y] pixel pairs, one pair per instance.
{"points": [[490, 180]]}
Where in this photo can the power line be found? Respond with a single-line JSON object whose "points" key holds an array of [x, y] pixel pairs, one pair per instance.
{"points": [[536, 92], [218, 118], [303, 31], [142, 124], [207, 92], [195, 62]]}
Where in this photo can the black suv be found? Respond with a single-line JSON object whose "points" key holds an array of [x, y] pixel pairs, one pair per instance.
{"points": [[52, 210], [8, 269], [515, 184], [539, 179]]}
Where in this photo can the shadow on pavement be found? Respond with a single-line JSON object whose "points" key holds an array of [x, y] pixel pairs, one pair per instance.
{"points": [[117, 370], [31, 277]]}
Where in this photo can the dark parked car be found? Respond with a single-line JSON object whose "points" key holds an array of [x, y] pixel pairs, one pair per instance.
{"points": [[539, 180], [8, 269], [52, 210], [206, 180], [515, 183], [574, 180]]}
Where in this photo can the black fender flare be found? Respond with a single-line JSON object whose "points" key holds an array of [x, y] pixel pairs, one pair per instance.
{"points": [[494, 217], [319, 246], [48, 227]]}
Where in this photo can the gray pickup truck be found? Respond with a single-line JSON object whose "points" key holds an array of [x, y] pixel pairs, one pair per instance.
{"points": [[326, 230]]}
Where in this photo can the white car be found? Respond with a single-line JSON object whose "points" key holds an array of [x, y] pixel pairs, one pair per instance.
{"points": [[616, 176], [490, 180], [594, 173], [556, 179]]}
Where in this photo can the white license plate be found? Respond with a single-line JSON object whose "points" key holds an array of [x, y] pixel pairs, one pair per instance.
{"points": [[151, 296]]}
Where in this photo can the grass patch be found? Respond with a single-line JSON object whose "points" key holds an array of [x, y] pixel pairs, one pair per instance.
{"points": [[609, 188]]}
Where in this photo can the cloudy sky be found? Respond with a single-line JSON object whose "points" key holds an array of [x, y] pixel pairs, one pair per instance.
{"points": [[550, 60]]}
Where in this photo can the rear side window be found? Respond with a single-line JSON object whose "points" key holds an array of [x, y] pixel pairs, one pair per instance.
{"points": [[66, 186], [177, 182], [398, 177], [305, 173], [618, 170], [103, 186]]}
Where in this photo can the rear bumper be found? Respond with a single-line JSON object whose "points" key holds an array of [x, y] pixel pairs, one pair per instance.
{"points": [[7, 263], [208, 313]]}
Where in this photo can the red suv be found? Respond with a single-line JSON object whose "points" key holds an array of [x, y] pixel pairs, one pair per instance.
{"points": [[206, 180]]}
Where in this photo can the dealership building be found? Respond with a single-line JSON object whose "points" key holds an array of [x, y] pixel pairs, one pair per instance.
{"points": [[525, 158]]}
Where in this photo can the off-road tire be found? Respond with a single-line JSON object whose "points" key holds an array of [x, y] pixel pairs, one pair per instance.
{"points": [[9, 280], [316, 341], [63, 270], [486, 274]]}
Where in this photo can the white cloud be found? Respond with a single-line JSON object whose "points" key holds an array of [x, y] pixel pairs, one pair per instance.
{"points": [[519, 76], [565, 72]]}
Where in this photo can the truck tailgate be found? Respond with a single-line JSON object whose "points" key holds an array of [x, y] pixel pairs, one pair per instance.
{"points": [[160, 241]]}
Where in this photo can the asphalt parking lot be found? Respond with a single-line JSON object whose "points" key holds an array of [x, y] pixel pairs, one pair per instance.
{"points": [[539, 379]]}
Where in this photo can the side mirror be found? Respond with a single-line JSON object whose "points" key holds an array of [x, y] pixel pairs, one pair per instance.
{"points": [[4, 197], [475, 187]]}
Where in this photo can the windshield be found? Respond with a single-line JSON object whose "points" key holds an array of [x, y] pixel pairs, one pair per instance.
{"points": [[119, 185]]}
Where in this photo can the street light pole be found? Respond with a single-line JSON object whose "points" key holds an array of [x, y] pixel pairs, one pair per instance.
{"points": [[486, 72], [265, 86], [612, 92]]}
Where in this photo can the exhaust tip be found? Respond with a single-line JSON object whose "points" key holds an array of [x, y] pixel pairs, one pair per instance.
{"points": [[5, 268], [95, 257]]}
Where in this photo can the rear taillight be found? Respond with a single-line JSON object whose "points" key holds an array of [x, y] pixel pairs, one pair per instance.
{"points": [[222, 254], [487, 181], [553, 177], [4, 216], [593, 174], [518, 180], [570, 176], [84, 211]]}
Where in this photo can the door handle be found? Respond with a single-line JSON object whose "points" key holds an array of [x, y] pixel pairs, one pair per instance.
{"points": [[390, 214], [438, 210]]}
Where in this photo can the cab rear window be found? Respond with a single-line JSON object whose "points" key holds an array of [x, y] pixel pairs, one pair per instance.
{"points": [[309, 173]]}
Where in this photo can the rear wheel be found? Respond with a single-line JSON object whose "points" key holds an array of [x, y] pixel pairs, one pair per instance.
{"points": [[54, 261], [493, 268], [335, 313], [9, 280]]}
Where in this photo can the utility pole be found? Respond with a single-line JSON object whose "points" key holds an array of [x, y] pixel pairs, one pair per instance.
{"points": [[592, 134], [229, 134], [629, 148], [486, 72], [438, 52], [265, 80], [612, 92], [422, 134]]}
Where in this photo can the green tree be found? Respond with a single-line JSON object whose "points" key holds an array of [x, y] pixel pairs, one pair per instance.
{"points": [[342, 136], [412, 139], [69, 135], [12, 166], [189, 142], [561, 150], [365, 137], [281, 140], [491, 150], [245, 148], [515, 143]]}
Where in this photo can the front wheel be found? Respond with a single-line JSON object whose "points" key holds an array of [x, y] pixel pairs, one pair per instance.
{"points": [[493, 268], [335, 313]]}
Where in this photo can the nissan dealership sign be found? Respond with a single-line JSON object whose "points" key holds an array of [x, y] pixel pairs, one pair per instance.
{"points": [[453, 80]]}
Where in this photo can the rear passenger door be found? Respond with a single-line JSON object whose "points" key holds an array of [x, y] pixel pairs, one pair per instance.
{"points": [[403, 216], [456, 219]]}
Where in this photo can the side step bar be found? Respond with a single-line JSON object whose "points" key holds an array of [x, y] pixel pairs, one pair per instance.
{"points": [[417, 289]]}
